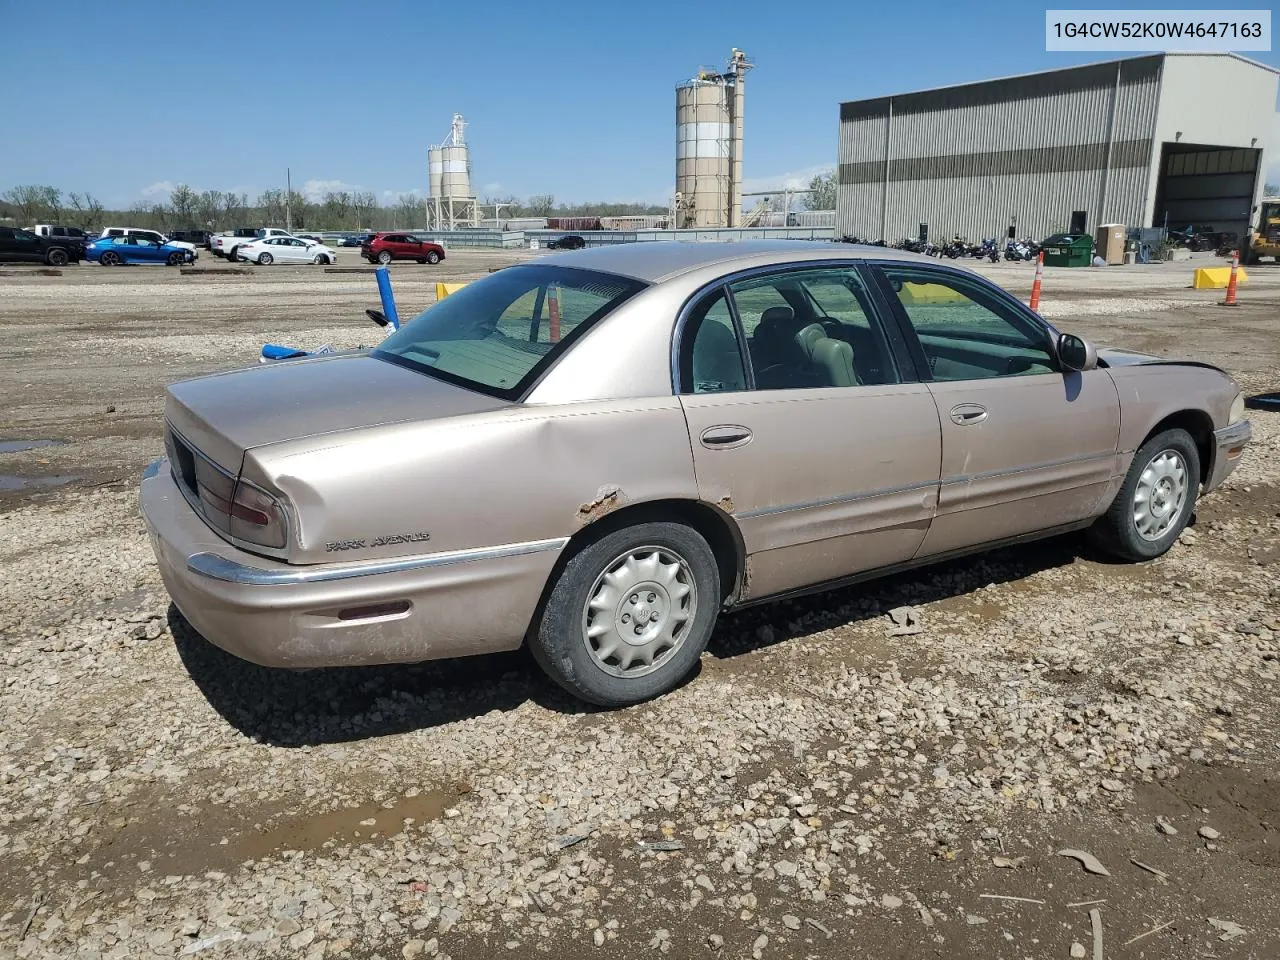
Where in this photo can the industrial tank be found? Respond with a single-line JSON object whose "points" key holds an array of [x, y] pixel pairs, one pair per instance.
{"points": [[435, 170], [704, 128]]}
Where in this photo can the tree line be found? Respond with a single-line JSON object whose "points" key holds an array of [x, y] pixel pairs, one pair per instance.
{"points": [[186, 208]]}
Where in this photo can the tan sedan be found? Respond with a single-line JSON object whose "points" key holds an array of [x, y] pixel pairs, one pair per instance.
{"points": [[598, 453]]}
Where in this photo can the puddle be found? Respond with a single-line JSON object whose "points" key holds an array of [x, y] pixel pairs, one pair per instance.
{"points": [[17, 446], [339, 827], [10, 482]]}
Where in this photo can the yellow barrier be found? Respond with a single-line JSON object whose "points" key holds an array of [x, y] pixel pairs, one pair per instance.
{"points": [[444, 289], [1216, 278], [928, 293]]}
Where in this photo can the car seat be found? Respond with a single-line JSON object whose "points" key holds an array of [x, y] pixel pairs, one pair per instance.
{"points": [[832, 358], [717, 364]]}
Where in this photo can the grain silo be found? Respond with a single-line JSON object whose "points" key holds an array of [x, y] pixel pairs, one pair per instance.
{"points": [[452, 203], [709, 122]]}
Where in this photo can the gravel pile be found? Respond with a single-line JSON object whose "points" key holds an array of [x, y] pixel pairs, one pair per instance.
{"points": [[761, 798]]}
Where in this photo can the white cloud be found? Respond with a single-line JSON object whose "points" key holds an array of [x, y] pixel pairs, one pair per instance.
{"points": [[795, 179], [395, 196], [314, 190], [161, 188]]}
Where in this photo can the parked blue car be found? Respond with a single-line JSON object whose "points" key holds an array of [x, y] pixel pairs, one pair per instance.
{"points": [[113, 251]]}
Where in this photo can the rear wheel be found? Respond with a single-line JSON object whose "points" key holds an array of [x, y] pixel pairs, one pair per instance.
{"points": [[1157, 499], [265, 259], [630, 614], [110, 259], [433, 257], [175, 259], [384, 257], [57, 257]]}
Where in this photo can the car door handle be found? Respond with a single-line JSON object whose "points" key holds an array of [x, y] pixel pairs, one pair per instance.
{"points": [[968, 413], [725, 436]]}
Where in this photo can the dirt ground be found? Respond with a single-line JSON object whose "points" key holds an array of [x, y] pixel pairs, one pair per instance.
{"points": [[819, 783]]}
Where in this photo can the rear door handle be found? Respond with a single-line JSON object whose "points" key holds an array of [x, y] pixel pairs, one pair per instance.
{"points": [[725, 436], [968, 413]]}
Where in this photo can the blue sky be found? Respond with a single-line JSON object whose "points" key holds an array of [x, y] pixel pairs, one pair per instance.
{"points": [[564, 97]]}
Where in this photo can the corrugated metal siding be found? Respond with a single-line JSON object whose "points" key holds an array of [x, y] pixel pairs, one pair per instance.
{"points": [[967, 159]]}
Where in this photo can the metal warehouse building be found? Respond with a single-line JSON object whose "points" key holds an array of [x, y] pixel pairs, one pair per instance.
{"points": [[1133, 141]]}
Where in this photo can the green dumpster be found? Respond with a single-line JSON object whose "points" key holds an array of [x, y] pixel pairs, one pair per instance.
{"points": [[1068, 250]]}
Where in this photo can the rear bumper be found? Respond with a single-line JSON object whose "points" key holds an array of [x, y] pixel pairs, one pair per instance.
{"points": [[1228, 447], [324, 615]]}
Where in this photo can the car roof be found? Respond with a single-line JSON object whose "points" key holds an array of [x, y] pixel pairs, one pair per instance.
{"points": [[661, 260]]}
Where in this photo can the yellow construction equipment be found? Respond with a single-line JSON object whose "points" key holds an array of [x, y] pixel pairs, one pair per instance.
{"points": [[444, 289], [1263, 237]]}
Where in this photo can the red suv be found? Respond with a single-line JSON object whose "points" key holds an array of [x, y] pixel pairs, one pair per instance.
{"points": [[385, 247]]}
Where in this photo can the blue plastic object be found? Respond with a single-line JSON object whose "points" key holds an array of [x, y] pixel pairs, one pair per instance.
{"points": [[388, 300], [274, 351]]}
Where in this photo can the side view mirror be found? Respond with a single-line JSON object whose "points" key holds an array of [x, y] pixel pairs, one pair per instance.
{"points": [[1076, 353]]}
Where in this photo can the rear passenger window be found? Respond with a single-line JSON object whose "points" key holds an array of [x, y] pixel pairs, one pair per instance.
{"points": [[711, 359], [812, 328]]}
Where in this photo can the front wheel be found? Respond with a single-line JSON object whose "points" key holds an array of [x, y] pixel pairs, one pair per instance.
{"points": [[433, 257], [110, 259], [1157, 499], [384, 257], [630, 614], [265, 259], [320, 259], [57, 257], [175, 259]]}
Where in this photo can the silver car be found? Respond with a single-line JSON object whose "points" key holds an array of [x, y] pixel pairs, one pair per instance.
{"points": [[597, 453]]}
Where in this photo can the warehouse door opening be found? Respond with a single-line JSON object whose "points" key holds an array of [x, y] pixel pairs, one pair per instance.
{"points": [[1205, 186]]}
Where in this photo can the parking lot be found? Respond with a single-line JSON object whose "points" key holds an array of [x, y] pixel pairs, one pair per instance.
{"points": [[817, 785]]}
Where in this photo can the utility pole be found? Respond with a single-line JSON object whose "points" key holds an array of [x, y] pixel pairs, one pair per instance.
{"points": [[288, 195]]}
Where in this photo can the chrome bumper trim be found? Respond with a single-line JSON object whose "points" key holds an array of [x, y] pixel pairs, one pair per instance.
{"points": [[220, 568], [1234, 434]]}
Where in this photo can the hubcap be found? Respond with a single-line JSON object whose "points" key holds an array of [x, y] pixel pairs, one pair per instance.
{"points": [[639, 611], [1160, 495]]}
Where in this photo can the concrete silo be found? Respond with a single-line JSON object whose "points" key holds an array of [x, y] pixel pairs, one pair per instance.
{"points": [[709, 124], [452, 203]]}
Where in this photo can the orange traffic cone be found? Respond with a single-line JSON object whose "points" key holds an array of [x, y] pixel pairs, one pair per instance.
{"points": [[1035, 287], [1231, 284], [554, 308]]}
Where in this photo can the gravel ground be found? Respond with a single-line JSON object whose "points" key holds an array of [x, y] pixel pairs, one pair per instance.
{"points": [[818, 782]]}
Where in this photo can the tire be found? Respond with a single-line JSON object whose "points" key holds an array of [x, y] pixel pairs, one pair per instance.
{"points": [[433, 258], [265, 259], [233, 254], [320, 259], [1156, 501], [384, 257], [175, 259], [110, 259], [676, 626], [57, 257]]}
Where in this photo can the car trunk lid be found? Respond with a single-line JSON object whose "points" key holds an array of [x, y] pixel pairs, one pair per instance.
{"points": [[223, 415]]}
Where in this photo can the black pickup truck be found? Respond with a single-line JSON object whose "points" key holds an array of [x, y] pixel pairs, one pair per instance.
{"points": [[23, 246]]}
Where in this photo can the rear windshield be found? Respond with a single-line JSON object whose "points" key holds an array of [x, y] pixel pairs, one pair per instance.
{"points": [[499, 334]]}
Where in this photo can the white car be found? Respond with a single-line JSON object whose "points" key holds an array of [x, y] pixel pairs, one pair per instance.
{"points": [[286, 250]]}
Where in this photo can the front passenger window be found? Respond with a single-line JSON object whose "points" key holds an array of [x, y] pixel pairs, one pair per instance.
{"points": [[966, 332]]}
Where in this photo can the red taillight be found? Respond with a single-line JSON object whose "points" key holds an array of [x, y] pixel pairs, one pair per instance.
{"points": [[256, 516], [237, 507]]}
